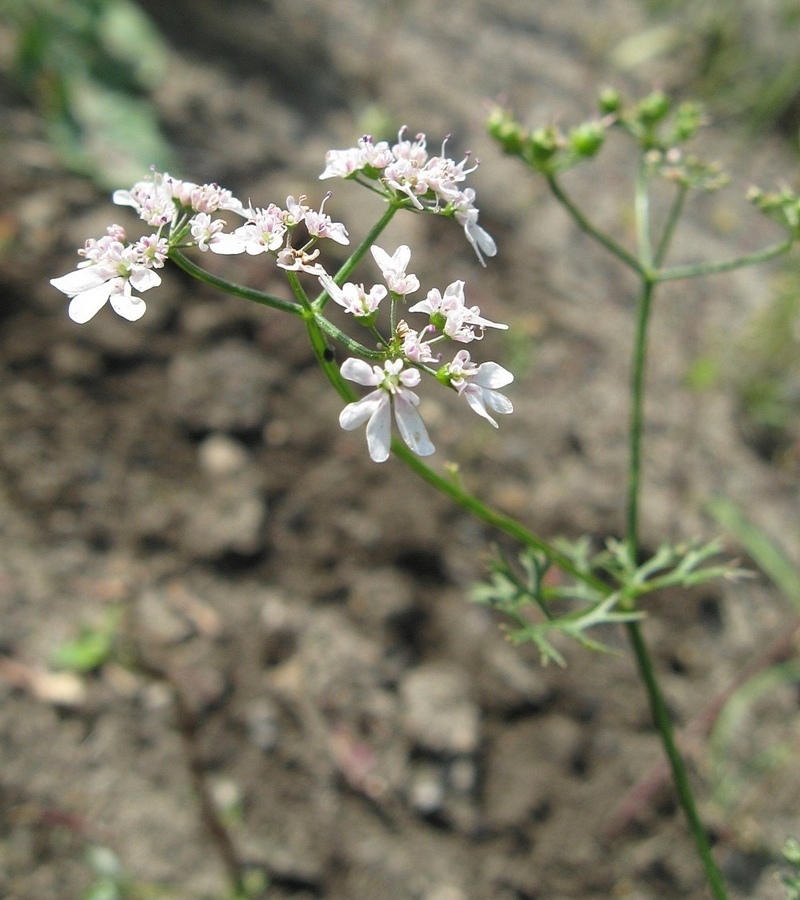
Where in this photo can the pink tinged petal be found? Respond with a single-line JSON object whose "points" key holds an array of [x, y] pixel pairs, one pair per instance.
{"points": [[81, 280], [88, 303], [379, 430], [355, 414], [361, 372], [402, 257], [410, 378], [381, 257], [409, 423], [492, 375], [424, 306]]}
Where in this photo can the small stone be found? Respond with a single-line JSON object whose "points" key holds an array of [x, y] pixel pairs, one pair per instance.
{"points": [[426, 790], [220, 455], [222, 389], [159, 621], [262, 722], [229, 518], [439, 712], [381, 596]]}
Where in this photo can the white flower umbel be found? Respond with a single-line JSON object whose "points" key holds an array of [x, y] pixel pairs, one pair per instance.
{"points": [[406, 173], [478, 385], [110, 273], [156, 199], [392, 382]]}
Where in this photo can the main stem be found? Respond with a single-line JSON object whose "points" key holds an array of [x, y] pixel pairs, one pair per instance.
{"points": [[636, 427], [644, 660], [680, 777]]}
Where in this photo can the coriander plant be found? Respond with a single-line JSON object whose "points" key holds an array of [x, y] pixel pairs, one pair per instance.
{"points": [[398, 344]]}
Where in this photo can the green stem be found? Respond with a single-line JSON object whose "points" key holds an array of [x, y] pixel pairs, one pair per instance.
{"points": [[326, 358], [680, 777], [493, 517], [725, 265], [447, 486], [669, 227], [658, 706], [585, 225], [230, 287], [636, 426], [642, 215], [357, 255], [352, 345]]}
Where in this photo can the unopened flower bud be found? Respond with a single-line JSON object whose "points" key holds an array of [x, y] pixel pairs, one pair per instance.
{"points": [[609, 101], [543, 144], [505, 129], [653, 108], [587, 139], [688, 119]]}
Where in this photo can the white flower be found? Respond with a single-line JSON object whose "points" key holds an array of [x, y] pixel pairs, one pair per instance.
{"points": [[394, 269], [392, 383], [205, 230], [319, 225], [414, 151], [354, 298], [263, 231], [205, 198], [478, 384], [467, 216], [299, 261], [343, 163], [415, 348], [451, 315], [154, 199], [110, 274]]}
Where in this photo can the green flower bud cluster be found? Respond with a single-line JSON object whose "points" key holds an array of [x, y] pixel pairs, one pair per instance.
{"points": [[548, 149], [783, 206], [654, 121]]}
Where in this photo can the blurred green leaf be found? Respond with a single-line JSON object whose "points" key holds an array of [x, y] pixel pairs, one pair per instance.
{"points": [[88, 66], [91, 648]]}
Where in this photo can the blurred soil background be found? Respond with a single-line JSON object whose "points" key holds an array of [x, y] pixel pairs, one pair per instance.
{"points": [[227, 639]]}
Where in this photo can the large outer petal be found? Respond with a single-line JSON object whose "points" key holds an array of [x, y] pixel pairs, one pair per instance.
{"points": [[476, 397], [355, 414], [81, 280], [125, 304], [379, 430], [354, 369], [143, 279], [492, 375], [86, 304], [409, 422], [227, 245], [498, 402]]}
